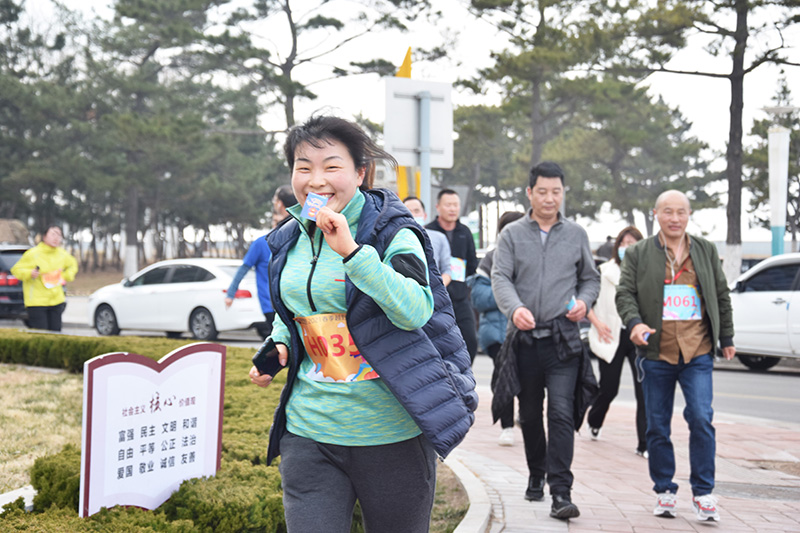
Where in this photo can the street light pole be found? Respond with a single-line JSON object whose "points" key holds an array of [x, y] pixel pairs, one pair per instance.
{"points": [[778, 176]]}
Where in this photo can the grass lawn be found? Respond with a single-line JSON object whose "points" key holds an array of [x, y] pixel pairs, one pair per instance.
{"points": [[86, 282], [41, 413]]}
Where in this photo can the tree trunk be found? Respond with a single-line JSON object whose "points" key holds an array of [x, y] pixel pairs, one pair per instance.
{"points": [[732, 264], [648, 223], [131, 231], [93, 248], [537, 124]]}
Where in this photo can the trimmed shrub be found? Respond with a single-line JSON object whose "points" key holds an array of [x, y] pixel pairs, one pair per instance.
{"points": [[55, 350], [57, 479], [118, 519], [241, 497]]}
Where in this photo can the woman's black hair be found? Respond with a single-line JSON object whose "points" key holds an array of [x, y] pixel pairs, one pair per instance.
{"points": [[286, 195], [324, 129], [51, 226]]}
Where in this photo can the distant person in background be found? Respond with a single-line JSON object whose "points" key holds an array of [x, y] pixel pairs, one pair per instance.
{"points": [[464, 262], [258, 256], [441, 247], [283, 198], [606, 249], [44, 270], [611, 343], [492, 322]]}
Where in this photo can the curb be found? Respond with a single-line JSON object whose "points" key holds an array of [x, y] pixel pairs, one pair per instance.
{"points": [[480, 508], [26, 493]]}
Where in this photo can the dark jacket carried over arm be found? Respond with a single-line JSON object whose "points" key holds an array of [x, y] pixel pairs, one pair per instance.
{"points": [[505, 378]]}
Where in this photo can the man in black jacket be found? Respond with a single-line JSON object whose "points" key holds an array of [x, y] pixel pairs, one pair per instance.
{"points": [[464, 262]]}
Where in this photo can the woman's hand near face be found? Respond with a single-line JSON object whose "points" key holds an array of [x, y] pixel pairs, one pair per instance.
{"points": [[336, 230]]}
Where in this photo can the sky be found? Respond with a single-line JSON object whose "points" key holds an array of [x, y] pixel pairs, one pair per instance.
{"points": [[703, 101]]}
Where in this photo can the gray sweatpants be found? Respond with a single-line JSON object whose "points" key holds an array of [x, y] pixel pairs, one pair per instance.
{"points": [[395, 484]]}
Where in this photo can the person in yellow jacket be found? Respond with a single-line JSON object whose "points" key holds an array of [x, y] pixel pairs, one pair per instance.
{"points": [[44, 270]]}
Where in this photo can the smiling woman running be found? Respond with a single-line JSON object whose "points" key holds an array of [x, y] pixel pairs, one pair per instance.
{"points": [[379, 380]]}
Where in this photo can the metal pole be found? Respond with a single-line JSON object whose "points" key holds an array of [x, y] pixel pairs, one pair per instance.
{"points": [[425, 149], [778, 184]]}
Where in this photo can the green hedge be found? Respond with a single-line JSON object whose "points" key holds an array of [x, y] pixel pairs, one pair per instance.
{"points": [[245, 495], [56, 350]]}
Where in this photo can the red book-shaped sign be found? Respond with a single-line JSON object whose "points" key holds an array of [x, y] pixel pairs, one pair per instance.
{"points": [[149, 425]]}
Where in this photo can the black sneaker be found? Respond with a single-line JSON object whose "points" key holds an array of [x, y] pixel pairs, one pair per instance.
{"points": [[563, 508], [535, 490]]}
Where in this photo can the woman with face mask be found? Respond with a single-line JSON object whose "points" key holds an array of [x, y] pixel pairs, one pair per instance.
{"points": [[611, 344]]}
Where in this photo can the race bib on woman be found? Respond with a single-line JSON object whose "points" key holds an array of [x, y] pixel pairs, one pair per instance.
{"points": [[53, 279], [331, 348], [681, 302]]}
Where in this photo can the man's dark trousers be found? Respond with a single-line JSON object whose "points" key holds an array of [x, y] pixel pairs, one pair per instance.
{"points": [[465, 319], [540, 368]]}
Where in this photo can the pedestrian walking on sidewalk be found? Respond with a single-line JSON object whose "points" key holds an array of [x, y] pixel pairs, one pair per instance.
{"points": [[674, 299], [610, 342], [544, 281], [463, 261]]}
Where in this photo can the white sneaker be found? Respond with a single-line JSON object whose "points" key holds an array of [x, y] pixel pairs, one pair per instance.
{"points": [[665, 505], [506, 437], [595, 432], [705, 507]]}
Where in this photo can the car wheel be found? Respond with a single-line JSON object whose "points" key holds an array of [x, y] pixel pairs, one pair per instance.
{"points": [[174, 334], [105, 321], [758, 362], [201, 324]]}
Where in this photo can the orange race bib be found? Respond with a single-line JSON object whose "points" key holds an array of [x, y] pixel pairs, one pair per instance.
{"points": [[331, 348], [53, 279]]}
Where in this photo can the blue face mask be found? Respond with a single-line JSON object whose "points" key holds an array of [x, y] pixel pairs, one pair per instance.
{"points": [[419, 220], [621, 252]]}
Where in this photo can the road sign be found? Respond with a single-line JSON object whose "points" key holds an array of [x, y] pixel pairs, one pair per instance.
{"points": [[401, 130]]}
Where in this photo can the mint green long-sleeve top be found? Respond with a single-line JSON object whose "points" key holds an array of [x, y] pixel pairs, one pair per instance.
{"points": [[360, 413]]}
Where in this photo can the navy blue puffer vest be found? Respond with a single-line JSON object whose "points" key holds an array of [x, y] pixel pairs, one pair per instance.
{"points": [[427, 369]]}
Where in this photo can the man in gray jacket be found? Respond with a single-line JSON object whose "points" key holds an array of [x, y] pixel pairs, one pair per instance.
{"points": [[544, 281]]}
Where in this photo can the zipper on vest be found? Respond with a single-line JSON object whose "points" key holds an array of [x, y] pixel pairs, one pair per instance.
{"points": [[314, 259]]}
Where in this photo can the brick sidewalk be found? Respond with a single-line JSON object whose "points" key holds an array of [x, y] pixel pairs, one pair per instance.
{"points": [[612, 487]]}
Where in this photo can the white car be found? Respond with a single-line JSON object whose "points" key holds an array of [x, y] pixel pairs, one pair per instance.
{"points": [[766, 312], [176, 296]]}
